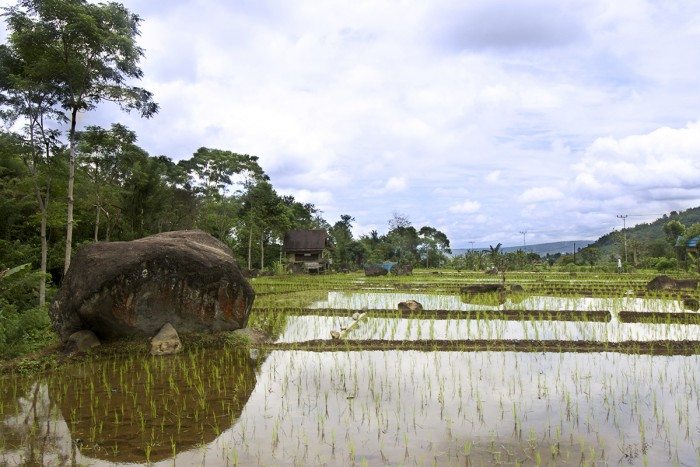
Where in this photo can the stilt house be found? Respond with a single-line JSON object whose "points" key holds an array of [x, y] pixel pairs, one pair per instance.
{"points": [[307, 250]]}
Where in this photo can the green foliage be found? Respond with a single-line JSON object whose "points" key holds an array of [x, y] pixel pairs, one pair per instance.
{"points": [[23, 326]]}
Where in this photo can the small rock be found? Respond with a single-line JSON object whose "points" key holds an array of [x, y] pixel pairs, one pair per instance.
{"points": [[410, 305], [691, 303], [355, 316], [81, 341], [335, 334], [166, 342]]}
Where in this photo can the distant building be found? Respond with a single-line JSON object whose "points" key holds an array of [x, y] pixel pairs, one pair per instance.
{"points": [[692, 244], [307, 250]]}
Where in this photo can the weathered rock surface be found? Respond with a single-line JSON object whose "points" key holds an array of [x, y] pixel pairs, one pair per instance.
{"points": [[410, 305], [166, 342], [81, 341], [120, 289], [669, 283], [373, 271]]}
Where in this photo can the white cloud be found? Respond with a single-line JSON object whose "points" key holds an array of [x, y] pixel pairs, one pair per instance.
{"points": [[579, 104], [318, 198], [465, 207], [493, 176], [540, 194], [395, 184]]}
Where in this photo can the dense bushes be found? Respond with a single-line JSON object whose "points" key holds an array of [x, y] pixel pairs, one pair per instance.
{"points": [[24, 327]]}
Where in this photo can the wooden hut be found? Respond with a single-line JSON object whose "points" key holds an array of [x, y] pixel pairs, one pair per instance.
{"points": [[307, 250]]}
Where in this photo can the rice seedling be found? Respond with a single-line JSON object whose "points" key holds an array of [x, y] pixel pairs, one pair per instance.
{"points": [[572, 370]]}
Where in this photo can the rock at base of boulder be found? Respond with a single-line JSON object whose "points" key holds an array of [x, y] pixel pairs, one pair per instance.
{"points": [[373, 271], [410, 305], [81, 341], [166, 342]]}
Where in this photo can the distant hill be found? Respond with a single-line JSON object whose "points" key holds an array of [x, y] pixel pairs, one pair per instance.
{"points": [[541, 249], [646, 232]]}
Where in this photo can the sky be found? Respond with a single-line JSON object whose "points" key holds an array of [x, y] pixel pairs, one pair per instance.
{"points": [[483, 118]]}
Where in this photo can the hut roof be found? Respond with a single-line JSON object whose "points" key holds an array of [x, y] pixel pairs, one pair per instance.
{"points": [[305, 240], [693, 242]]}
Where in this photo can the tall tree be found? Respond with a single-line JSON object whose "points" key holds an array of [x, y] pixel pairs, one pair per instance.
{"points": [[27, 94], [214, 170], [102, 152], [91, 55], [434, 245]]}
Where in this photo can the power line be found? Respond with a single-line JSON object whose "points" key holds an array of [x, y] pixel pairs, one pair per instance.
{"points": [[624, 233], [523, 233]]}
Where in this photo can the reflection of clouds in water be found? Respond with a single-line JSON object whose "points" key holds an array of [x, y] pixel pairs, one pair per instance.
{"points": [[390, 300], [321, 406], [45, 437], [301, 328], [339, 407], [458, 329]]}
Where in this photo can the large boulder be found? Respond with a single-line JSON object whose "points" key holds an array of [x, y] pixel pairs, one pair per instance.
{"points": [[121, 289], [374, 271], [669, 283]]}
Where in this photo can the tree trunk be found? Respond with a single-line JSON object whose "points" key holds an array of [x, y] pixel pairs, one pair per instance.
{"points": [[262, 251], [97, 221], [250, 249], [71, 182], [43, 209], [44, 253], [99, 206]]}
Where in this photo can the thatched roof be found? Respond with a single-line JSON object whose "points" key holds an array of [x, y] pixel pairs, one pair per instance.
{"points": [[305, 240]]}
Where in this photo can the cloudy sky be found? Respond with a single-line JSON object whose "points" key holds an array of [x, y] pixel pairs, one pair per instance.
{"points": [[483, 118]]}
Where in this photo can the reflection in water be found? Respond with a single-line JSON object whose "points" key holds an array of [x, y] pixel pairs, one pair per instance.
{"points": [[399, 407], [126, 410], [390, 300], [304, 328]]}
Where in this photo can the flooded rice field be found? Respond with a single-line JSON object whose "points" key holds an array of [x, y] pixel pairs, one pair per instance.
{"points": [[363, 407], [575, 381], [609, 328]]}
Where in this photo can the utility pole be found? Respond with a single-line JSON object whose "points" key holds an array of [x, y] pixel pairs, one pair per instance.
{"points": [[523, 233], [472, 250], [624, 233]]}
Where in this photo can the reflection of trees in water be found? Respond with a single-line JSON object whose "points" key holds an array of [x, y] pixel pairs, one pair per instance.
{"points": [[127, 410], [29, 435]]}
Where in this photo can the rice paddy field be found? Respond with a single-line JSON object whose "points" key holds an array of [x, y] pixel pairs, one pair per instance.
{"points": [[586, 369]]}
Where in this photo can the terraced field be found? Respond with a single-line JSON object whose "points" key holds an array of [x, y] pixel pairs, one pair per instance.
{"points": [[563, 370]]}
